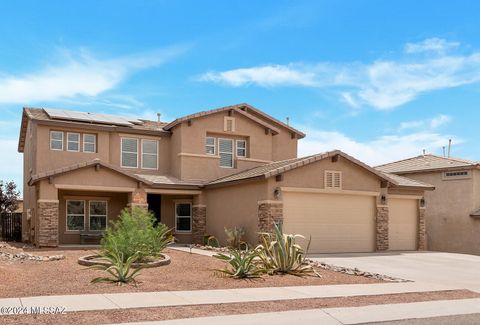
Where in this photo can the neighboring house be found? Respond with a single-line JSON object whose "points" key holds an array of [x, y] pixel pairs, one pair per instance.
{"points": [[453, 214], [232, 166]]}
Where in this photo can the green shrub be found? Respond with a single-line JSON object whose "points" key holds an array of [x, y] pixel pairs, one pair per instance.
{"points": [[212, 241], [240, 264], [280, 254], [120, 269], [235, 238], [135, 233]]}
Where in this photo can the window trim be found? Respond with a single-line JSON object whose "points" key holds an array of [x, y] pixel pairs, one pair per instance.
{"points": [[51, 139], [78, 142], [225, 124], [142, 153], [66, 215], [97, 215], [220, 152], [177, 202], [446, 177], [94, 143], [244, 148], [209, 145], [121, 152]]}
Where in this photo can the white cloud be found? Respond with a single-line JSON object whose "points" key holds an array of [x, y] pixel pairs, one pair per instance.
{"points": [[266, 76], [432, 123], [433, 44], [11, 162], [382, 84], [439, 121], [78, 74], [383, 149]]}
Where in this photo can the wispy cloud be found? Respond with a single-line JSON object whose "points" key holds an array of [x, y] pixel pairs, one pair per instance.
{"points": [[432, 123], [78, 73], [382, 84]]}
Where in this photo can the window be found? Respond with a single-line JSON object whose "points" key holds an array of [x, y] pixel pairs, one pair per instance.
{"points": [[129, 152], [333, 179], [210, 146], [98, 215], [241, 148], [73, 142], [56, 140], [149, 154], [457, 174], [89, 143], [183, 217], [225, 150], [75, 215], [229, 124]]}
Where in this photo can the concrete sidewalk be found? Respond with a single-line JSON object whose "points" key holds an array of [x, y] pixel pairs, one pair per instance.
{"points": [[341, 316], [200, 297]]}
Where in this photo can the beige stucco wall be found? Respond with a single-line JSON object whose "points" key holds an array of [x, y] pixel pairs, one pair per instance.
{"points": [[29, 192], [448, 223], [235, 206]]}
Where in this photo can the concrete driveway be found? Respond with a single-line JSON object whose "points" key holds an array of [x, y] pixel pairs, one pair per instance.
{"points": [[460, 271]]}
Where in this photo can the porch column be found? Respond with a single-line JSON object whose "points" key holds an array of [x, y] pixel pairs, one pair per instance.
{"points": [[381, 242], [138, 198], [422, 236], [47, 212], [269, 212], [199, 223]]}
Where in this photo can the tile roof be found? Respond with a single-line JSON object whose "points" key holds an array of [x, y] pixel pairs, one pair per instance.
{"points": [[278, 167], [243, 110], [168, 180], [424, 163]]}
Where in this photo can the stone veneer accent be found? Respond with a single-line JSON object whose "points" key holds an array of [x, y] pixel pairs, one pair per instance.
{"points": [[199, 223], [268, 213], [422, 237], [382, 228], [48, 222]]}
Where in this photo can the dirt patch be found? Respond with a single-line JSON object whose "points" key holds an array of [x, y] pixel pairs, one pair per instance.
{"points": [[185, 272], [164, 313]]}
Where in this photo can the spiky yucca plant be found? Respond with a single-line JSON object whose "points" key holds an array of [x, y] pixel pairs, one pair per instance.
{"points": [[281, 254], [241, 264]]}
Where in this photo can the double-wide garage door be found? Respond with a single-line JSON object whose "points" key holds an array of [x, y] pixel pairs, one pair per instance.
{"points": [[340, 223], [335, 222]]}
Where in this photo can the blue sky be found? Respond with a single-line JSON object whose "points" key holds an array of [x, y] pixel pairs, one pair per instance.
{"points": [[381, 80]]}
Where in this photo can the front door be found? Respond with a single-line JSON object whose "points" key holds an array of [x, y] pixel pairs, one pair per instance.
{"points": [[154, 205]]}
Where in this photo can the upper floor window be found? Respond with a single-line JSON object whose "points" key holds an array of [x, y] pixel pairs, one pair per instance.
{"points": [[73, 142], [56, 140], [149, 154], [241, 148], [457, 174], [89, 143], [210, 146], [333, 179], [225, 150], [129, 152]]}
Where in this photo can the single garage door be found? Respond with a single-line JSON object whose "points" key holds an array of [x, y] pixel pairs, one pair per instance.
{"points": [[402, 224], [336, 222]]}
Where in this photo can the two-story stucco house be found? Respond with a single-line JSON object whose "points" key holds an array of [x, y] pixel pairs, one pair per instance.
{"points": [[453, 215], [232, 166]]}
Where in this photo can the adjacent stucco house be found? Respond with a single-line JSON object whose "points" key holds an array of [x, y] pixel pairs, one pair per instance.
{"points": [[452, 217], [232, 166]]}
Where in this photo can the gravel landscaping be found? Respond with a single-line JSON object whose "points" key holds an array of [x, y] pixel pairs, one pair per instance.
{"points": [[25, 277], [163, 313]]}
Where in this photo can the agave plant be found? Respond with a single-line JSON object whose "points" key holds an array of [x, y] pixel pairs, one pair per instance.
{"points": [[281, 254], [121, 271], [240, 264]]}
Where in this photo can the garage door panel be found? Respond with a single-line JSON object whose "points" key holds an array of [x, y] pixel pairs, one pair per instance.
{"points": [[402, 224], [337, 223]]}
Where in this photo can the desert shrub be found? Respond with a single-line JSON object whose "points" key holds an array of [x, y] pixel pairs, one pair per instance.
{"points": [[135, 233], [235, 238], [212, 241], [240, 264], [120, 268], [281, 254]]}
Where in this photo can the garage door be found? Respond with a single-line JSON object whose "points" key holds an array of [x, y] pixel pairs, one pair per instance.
{"points": [[402, 224], [337, 223]]}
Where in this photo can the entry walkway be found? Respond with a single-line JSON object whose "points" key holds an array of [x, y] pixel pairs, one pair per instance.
{"points": [[199, 297]]}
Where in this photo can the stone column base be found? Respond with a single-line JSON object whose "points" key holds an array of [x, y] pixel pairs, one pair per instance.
{"points": [[269, 212], [381, 242], [422, 236], [199, 223], [47, 214]]}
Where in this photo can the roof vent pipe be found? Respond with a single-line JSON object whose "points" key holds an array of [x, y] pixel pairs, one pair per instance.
{"points": [[158, 117], [288, 121], [443, 151], [449, 146]]}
